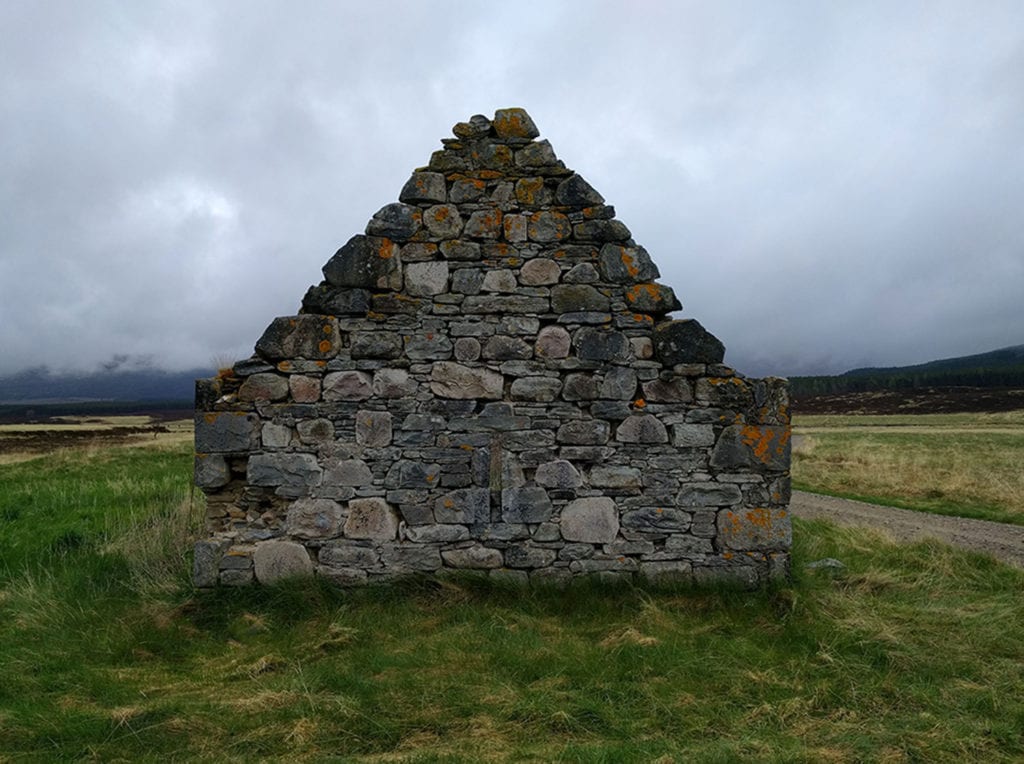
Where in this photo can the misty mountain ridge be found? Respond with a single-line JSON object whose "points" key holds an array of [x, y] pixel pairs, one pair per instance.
{"points": [[1009, 357], [41, 385]]}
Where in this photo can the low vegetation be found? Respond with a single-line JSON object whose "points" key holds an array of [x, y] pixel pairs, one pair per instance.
{"points": [[908, 654], [957, 464]]}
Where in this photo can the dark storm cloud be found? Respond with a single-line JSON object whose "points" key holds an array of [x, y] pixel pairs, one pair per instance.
{"points": [[824, 186]]}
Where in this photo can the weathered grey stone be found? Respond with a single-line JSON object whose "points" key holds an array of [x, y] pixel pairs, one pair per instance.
{"points": [[264, 387], [514, 124], [567, 298], [347, 472], [410, 557], [467, 190], [689, 546], [538, 155], [436, 534], [686, 341], [460, 250], [347, 386], [376, 345], [443, 221], [667, 571], [373, 429], [314, 519], [549, 226], [539, 272], [532, 192], [626, 265], [345, 554], [526, 504], [315, 430], [584, 432], [370, 262], [614, 476], [288, 470], [395, 221], [529, 557], [513, 303], [641, 428], [582, 273], [484, 224], [515, 227], [559, 474], [467, 281], [428, 346], [467, 349], [693, 435], [619, 384], [655, 299], [472, 558], [304, 389], [581, 387], [426, 279], [708, 495], [211, 471], [576, 192], [424, 187], [372, 519], [667, 391], [656, 520], [409, 474], [601, 231], [276, 435], [502, 348], [643, 348], [593, 520], [312, 337], [501, 280], [540, 389], [759, 529], [593, 344], [553, 342], [464, 506], [206, 562], [277, 560], [757, 447], [328, 300], [452, 380], [393, 383]]}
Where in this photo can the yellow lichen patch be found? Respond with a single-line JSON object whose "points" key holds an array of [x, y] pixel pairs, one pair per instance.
{"points": [[489, 174], [328, 328], [324, 346], [640, 403], [512, 262], [760, 442], [385, 251], [441, 214], [285, 366], [631, 267]]}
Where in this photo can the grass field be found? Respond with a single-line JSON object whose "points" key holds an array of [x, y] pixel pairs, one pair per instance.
{"points": [[956, 464], [911, 654]]}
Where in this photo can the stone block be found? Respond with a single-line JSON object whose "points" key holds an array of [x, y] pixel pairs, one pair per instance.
{"points": [[593, 520], [393, 383], [539, 389], [313, 431], [584, 432], [553, 342], [452, 380], [568, 298], [368, 262], [593, 344], [436, 534], [264, 387], [548, 226], [424, 187], [346, 554], [327, 300], [304, 389], [395, 221], [560, 474], [656, 520], [514, 124], [473, 558], [376, 345], [525, 504], [615, 476], [426, 279], [277, 560], [626, 265], [314, 338], [757, 447], [499, 280], [761, 529], [286, 470], [206, 562], [667, 391], [347, 472], [227, 432], [619, 384], [372, 519], [443, 221], [653, 299], [275, 435], [686, 342], [464, 505], [211, 471], [484, 224], [401, 558], [540, 271], [693, 435], [314, 519], [347, 386], [641, 428], [574, 191], [373, 429]]}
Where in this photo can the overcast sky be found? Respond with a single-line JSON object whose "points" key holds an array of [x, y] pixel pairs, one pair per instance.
{"points": [[825, 185]]}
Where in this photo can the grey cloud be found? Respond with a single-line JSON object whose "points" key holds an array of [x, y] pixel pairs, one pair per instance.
{"points": [[824, 187]]}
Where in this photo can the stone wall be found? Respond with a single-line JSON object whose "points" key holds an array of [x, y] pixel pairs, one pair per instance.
{"points": [[487, 380]]}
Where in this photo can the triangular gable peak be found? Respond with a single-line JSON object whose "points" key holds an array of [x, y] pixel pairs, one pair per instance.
{"points": [[486, 379]]}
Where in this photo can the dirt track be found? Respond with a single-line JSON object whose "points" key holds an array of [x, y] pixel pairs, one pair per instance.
{"points": [[1005, 542]]}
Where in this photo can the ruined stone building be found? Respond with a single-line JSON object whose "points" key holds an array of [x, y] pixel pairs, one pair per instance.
{"points": [[486, 379]]}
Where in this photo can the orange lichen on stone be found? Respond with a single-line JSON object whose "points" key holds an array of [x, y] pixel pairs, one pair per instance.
{"points": [[328, 328], [384, 251], [761, 518], [489, 174], [760, 441], [285, 366], [321, 364], [640, 403], [512, 262], [441, 214], [636, 292], [631, 267], [324, 346]]}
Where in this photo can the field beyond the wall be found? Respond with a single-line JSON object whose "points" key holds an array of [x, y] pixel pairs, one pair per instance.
{"points": [[967, 464], [907, 653]]}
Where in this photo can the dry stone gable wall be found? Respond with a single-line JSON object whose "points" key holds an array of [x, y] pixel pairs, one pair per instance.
{"points": [[487, 379]]}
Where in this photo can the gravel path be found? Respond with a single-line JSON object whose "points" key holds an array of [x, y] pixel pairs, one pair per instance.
{"points": [[1005, 542]]}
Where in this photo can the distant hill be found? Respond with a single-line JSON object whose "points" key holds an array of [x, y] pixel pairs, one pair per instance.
{"points": [[997, 368], [40, 385]]}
